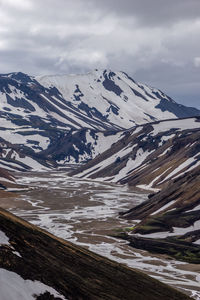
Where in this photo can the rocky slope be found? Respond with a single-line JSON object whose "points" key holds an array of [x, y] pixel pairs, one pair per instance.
{"points": [[149, 155], [64, 147], [170, 219], [34, 264], [7, 182], [49, 120]]}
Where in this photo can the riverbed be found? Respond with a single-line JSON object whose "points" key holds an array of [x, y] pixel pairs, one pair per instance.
{"points": [[86, 212]]}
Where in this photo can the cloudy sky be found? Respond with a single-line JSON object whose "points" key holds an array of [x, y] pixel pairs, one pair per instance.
{"points": [[155, 41]]}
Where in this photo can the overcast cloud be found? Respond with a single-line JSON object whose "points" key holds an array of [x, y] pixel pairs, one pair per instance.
{"points": [[155, 41]]}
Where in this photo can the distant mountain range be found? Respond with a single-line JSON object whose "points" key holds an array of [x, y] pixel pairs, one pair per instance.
{"points": [[50, 120]]}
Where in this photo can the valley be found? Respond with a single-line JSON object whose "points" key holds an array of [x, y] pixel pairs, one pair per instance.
{"points": [[109, 164], [85, 212]]}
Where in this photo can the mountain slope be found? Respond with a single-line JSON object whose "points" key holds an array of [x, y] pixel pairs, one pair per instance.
{"points": [[148, 156], [66, 271], [115, 97], [162, 157], [170, 219], [6, 180]]}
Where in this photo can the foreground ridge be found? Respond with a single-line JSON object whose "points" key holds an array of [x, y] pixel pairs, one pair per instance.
{"points": [[69, 270]]}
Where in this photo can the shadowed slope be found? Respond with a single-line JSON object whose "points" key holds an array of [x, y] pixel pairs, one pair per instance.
{"points": [[73, 271]]}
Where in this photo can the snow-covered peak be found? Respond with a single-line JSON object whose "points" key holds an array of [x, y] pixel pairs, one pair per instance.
{"points": [[116, 97]]}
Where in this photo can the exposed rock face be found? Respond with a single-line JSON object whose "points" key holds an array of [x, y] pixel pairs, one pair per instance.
{"points": [[41, 115], [71, 271]]}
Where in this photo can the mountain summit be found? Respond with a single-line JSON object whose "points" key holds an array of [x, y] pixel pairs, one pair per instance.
{"points": [[115, 98], [100, 99]]}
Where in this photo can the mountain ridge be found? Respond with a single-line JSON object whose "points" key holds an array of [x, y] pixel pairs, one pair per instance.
{"points": [[38, 113], [146, 155]]}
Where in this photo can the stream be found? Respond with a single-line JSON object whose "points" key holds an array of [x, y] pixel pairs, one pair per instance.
{"points": [[85, 212]]}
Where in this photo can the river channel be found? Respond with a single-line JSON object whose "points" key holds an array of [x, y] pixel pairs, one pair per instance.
{"points": [[86, 213]]}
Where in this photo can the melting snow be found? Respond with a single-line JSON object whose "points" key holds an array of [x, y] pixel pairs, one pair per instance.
{"points": [[4, 239], [179, 124], [13, 286]]}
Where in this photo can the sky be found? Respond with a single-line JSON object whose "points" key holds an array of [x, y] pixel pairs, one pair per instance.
{"points": [[156, 42]]}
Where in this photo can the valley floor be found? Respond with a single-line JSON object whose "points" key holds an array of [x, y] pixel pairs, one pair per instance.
{"points": [[86, 213]]}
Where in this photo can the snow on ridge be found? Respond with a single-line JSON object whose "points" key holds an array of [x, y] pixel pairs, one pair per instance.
{"points": [[15, 137], [167, 131], [13, 286], [188, 162], [111, 98], [4, 240], [94, 94], [165, 207], [102, 142], [179, 124]]}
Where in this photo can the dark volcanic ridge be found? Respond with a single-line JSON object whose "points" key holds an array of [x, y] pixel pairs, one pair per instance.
{"points": [[71, 271]]}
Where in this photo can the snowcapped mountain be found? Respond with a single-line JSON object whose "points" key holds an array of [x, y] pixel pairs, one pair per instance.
{"points": [[115, 98], [48, 120]]}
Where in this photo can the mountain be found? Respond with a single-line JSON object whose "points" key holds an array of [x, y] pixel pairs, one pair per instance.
{"points": [[34, 264], [162, 158], [50, 120], [114, 98], [170, 219], [149, 155]]}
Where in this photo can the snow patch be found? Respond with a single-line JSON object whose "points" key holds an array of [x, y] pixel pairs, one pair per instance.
{"points": [[13, 286]]}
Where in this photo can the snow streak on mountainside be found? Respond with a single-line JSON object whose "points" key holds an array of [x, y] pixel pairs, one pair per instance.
{"points": [[149, 155], [6, 180], [163, 158], [170, 219], [115, 98], [49, 120]]}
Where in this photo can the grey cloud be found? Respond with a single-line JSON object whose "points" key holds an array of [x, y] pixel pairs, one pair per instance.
{"points": [[179, 82], [153, 12], [155, 41]]}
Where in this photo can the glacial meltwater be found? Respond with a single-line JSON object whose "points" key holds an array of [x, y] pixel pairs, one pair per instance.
{"points": [[85, 212]]}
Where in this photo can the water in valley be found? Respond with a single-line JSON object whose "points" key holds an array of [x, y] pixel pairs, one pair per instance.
{"points": [[86, 212]]}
